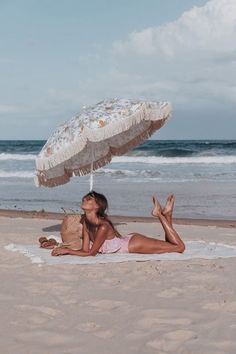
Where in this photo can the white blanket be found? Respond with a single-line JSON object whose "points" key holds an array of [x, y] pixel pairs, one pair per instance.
{"points": [[194, 249]]}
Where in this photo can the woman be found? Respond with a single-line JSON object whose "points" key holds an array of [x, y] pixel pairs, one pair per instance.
{"points": [[100, 236]]}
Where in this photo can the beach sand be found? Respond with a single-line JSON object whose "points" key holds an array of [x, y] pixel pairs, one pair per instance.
{"points": [[135, 307]]}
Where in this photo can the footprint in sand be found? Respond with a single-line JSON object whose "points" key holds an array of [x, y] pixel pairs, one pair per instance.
{"points": [[154, 318], [95, 329], [180, 335], [88, 326], [154, 322], [164, 346], [172, 340], [49, 311], [107, 305], [170, 293]]}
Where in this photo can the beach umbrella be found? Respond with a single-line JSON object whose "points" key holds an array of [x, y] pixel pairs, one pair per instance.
{"points": [[89, 140]]}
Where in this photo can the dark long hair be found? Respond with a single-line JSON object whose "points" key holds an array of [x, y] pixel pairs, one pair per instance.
{"points": [[101, 213]]}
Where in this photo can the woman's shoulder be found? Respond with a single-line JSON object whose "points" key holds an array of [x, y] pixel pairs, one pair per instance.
{"points": [[104, 224]]}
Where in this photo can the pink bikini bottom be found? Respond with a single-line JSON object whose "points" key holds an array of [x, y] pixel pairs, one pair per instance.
{"points": [[116, 245]]}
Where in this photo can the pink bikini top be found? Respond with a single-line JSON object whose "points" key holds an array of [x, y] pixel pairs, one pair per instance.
{"points": [[110, 246]]}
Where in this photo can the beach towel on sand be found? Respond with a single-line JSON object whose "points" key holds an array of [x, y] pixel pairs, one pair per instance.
{"points": [[194, 249]]}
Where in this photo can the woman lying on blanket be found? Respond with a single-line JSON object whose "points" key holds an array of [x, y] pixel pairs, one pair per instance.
{"points": [[100, 236]]}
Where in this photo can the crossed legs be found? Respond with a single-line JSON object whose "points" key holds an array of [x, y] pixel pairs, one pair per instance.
{"points": [[173, 243]]}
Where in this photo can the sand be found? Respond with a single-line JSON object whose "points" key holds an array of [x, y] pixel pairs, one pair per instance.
{"points": [[136, 307]]}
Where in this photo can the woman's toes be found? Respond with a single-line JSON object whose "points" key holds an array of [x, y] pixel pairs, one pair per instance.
{"points": [[157, 207], [155, 202], [168, 209], [170, 198]]}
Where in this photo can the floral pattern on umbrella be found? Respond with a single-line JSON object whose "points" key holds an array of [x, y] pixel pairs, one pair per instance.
{"points": [[99, 132]]}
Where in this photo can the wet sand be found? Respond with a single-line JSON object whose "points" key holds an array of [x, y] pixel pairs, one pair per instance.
{"points": [[117, 219]]}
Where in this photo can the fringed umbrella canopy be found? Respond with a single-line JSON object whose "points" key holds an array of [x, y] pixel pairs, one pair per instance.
{"points": [[89, 140]]}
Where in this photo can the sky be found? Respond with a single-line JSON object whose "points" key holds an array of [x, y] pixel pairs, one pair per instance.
{"points": [[57, 56]]}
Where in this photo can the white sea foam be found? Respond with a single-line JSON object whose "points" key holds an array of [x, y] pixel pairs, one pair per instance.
{"points": [[5, 157], [127, 173], [201, 159], [176, 160], [16, 174], [113, 172]]}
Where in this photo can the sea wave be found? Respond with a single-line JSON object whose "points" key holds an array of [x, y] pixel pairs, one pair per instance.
{"points": [[16, 174], [5, 157], [185, 148], [115, 173], [109, 172], [135, 175], [126, 173], [175, 160]]}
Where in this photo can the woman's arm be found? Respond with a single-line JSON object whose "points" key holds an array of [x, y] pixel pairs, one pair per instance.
{"points": [[100, 237], [86, 239]]}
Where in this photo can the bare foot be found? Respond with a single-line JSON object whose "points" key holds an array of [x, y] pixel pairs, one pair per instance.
{"points": [[168, 209], [157, 210]]}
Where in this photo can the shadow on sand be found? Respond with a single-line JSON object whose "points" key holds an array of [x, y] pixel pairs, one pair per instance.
{"points": [[52, 228]]}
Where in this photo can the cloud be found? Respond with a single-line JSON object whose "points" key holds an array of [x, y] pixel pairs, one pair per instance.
{"points": [[208, 28], [190, 59]]}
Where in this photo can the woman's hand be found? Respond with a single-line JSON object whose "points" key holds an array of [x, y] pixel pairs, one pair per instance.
{"points": [[60, 251]]}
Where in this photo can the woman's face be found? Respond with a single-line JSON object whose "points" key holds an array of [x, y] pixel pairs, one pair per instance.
{"points": [[89, 203]]}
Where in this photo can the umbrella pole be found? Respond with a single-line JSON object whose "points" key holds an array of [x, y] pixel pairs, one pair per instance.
{"points": [[91, 178]]}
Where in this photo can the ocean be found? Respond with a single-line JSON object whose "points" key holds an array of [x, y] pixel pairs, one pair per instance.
{"points": [[202, 174]]}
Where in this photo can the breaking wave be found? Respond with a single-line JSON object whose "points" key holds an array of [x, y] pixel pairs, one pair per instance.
{"points": [[176, 160], [16, 174], [20, 157]]}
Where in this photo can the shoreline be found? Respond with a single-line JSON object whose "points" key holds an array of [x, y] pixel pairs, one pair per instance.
{"points": [[46, 215]]}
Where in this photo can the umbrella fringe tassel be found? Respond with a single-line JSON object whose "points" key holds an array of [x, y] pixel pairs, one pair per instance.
{"points": [[103, 133], [55, 181], [46, 164]]}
